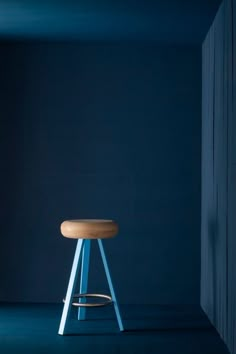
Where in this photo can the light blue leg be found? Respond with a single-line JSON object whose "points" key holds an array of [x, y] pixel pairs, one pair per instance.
{"points": [[84, 277], [70, 289], [113, 295]]}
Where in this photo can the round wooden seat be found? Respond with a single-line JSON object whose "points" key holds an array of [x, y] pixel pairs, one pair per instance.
{"points": [[89, 229]]}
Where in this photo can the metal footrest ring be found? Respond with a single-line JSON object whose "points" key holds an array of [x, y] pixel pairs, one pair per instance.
{"points": [[108, 300]]}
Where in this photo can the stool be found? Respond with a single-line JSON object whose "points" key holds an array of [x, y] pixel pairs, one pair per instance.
{"points": [[85, 231]]}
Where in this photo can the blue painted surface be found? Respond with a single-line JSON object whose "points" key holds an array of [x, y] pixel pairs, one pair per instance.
{"points": [[167, 21], [111, 286], [152, 329], [71, 288], [83, 251], [101, 131], [84, 277]]}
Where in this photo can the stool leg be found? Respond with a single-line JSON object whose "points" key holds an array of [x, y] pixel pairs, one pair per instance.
{"points": [[70, 289], [84, 276], [108, 275]]}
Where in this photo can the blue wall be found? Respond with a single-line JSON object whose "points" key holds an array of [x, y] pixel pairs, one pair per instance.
{"points": [[102, 131]]}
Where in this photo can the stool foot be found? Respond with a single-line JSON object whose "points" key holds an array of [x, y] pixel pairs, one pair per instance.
{"points": [[113, 295], [71, 286]]}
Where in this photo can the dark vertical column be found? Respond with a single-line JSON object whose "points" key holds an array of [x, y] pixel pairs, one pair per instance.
{"points": [[230, 39], [204, 177], [207, 286], [233, 239], [218, 277], [219, 241]]}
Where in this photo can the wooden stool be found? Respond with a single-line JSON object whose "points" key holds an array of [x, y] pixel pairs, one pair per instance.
{"points": [[85, 231]]}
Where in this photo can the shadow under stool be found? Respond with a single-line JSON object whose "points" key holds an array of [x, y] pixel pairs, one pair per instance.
{"points": [[85, 231]]}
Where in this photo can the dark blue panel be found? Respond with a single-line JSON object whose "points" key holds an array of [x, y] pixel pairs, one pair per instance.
{"points": [[101, 130]]}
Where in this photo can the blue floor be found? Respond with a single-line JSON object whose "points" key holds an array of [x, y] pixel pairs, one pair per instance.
{"points": [[32, 328]]}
